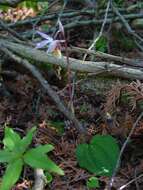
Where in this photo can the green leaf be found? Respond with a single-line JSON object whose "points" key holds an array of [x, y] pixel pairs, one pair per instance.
{"points": [[26, 141], [11, 138], [100, 156], [12, 174], [42, 149], [35, 159], [49, 177], [5, 156], [93, 182], [101, 44]]}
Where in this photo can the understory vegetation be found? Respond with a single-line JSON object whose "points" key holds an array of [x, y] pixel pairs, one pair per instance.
{"points": [[71, 94]]}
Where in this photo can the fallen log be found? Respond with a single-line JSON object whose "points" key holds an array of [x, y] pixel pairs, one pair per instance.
{"points": [[40, 57]]}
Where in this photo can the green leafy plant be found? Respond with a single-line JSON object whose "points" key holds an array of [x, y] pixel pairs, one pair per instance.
{"points": [[93, 183], [49, 177], [100, 156], [16, 154], [101, 44]]}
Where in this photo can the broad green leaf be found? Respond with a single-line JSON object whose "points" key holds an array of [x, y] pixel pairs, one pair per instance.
{"points": [[100, 156], [104, 144], [93, 182], [12, 174], [5, 156], [42, 149], [36, 160], [11, 138], [26, 141]]}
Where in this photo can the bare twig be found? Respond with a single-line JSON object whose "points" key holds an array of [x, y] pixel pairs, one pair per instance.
{"points": [[74, 15], [122, 150], [101, 30], [128, 61], [11, 31], [138, 45], [125, 23], [130, 182], [12, 3], [47, 88], [136, 181]]}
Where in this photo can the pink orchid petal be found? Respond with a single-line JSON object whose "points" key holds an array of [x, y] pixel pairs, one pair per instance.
{"points": [[53, 46], [61, 28], [45, 36], [41, 44]]}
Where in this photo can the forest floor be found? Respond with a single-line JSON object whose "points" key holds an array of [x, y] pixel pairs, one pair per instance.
{"points": [[112, 108]]}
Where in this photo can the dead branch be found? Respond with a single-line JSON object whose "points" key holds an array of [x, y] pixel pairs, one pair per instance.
{"points": [[11, 3], [11, 31], [41, 57], [73, 15], [127, 26], [128, 61]]}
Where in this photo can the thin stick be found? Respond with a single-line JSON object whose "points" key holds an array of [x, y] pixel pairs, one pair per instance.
{"points": [[101, 30], [128, 61], [122, 150], [11, 31], [136, 181], [12, 3], [127, 184], [125, 23]]}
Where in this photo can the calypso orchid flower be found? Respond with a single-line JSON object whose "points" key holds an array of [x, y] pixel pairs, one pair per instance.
{"points": [[53, 44]]}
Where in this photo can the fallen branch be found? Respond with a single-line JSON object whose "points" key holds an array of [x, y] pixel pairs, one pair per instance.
{"points": [[73, 14], [11, 3], [53, 95], [41, 58], [79, 23], [128, 61], [11, 31], [127, 26]]}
